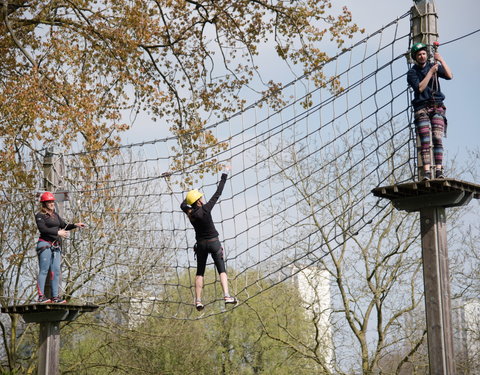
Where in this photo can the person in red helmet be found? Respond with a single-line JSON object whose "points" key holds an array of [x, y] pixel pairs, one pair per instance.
{"points": [[429, 109], [52, 229]]}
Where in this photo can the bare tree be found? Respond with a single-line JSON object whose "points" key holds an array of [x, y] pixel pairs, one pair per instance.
{"points": [[371, 254], [116, 258]]}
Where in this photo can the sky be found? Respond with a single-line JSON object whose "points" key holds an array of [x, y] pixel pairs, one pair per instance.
{"points": [[455, 19]]}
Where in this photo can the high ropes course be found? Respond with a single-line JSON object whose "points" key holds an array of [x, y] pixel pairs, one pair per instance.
{"points": [[298, 172]]}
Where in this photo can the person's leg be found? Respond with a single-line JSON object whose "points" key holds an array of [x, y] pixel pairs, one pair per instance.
{"points": [[56, 272], [423, 128], [216, 250], [198, 287], [217, 255], [44, 259], [224, 283], [438, 128], [202, 255]]}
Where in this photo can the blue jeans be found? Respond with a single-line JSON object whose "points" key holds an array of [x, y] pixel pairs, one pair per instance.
{"points": [[49, 258]]}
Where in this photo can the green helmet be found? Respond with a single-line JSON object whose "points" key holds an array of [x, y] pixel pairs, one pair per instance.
{"points": [[415, 48]]}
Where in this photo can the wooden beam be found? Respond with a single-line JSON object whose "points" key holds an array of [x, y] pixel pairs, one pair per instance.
{"points": [[431, 198], [437, 291], [442, 199], [49, 316], [49, 349]]}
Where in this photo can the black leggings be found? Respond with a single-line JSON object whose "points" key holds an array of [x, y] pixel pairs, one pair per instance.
{"points": [[203, 248]]}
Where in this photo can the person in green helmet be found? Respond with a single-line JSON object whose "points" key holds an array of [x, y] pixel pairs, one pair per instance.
{"points": [[428, 106], [200, 215]]}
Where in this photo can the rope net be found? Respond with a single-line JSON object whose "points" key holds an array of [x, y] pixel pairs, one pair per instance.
{"points": [[297, 172]]}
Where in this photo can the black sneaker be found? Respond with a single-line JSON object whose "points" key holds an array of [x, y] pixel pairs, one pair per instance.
{"points": [[43, 299], [427, 175], [230, 300], [59, 300], [439, 173]]}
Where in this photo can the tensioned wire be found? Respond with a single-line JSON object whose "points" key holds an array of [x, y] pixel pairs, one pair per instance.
{"points": [[259, 185], [261, 101], [263, 130]]}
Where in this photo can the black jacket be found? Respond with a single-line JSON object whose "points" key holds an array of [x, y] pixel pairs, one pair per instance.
{"points": [[201, 217], [49, 225], [432, 93]]}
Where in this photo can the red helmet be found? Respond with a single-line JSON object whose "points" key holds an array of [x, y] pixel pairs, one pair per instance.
{"points": [[47, 196]]}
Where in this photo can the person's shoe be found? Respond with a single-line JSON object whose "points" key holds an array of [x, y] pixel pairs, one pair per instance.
{"points": [[439, 173], [427, 175], [43, 299], [59, 300], [199, 305], [230, 300]]}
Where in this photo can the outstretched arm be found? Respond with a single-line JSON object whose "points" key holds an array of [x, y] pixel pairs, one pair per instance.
{"points": [[209, 205], [68, 227]]}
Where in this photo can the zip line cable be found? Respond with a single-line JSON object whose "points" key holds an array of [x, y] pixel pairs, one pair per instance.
{"points": [[299, 192]]}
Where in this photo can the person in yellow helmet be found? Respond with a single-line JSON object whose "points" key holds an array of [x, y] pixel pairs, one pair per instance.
{"points": [[207, 242]]}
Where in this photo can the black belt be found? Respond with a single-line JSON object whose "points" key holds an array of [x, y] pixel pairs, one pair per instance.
{"points": [[208, 239]]}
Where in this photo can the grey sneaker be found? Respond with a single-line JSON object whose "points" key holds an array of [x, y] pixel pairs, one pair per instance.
{"points": [[439, 173], [230, 300], [59, 300], [427, 175]]}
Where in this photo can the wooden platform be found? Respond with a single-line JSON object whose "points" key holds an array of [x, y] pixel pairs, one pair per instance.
{"points": [[48, 312], [413, 196]]}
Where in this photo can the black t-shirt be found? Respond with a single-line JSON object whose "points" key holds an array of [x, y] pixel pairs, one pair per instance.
{"points": [[201, 217]]}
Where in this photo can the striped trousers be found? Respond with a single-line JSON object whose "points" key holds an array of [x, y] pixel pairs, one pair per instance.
{"points": [[431, 125]]}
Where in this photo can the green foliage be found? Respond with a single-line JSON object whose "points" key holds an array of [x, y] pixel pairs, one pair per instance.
{"points": [[232, 342], [71, 69]]}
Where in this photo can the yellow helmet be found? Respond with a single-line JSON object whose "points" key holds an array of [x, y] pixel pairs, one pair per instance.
{"points": [[193, 196]]}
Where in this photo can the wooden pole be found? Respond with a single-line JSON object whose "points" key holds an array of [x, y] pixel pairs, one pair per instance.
{"points": [[48, 170], [48, 185], [49, 344], [431, 198], [433, 228], [49, 316], [49, 349], [53, 170], [424, 30], [437, 290]]}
